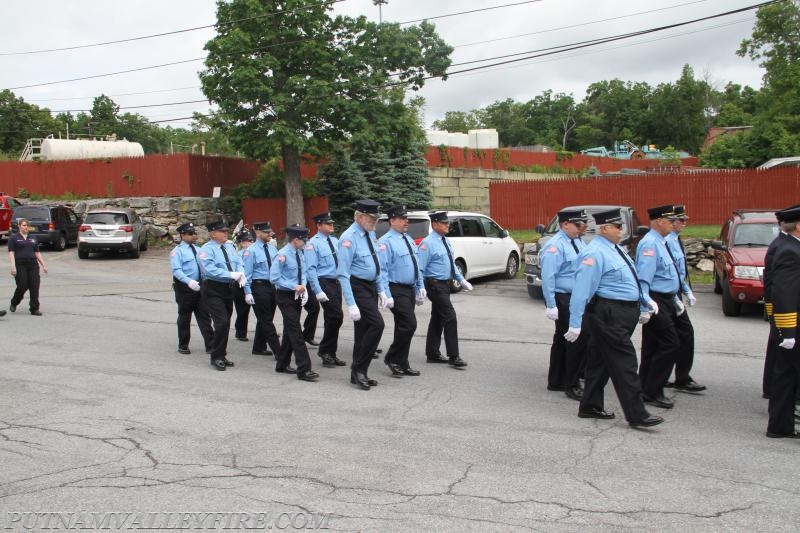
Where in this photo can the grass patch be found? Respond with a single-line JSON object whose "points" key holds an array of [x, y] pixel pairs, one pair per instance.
{"points": [[524, 235], [704, 278], [701, 231]]}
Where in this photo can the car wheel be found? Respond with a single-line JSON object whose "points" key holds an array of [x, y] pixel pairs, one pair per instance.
{"points": [[717, 284], [512, 266], [535, 292], [60, 243], [83, 254], [136, 252], [730, 307], [454, 285]]}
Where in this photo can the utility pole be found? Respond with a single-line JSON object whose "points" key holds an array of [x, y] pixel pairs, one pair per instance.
{"points": [[380, 3]]}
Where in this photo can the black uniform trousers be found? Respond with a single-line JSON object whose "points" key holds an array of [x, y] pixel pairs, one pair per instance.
{"points": [[660, 346], [783, 387], [292, 341], [567, 359], [264, 309], [27, 280], [242, 312], [611, 354], [218, 296], [405, 324], [443, 319], [312, 314], [369, 329], [332, 314], [684, 358], [191, 302]]}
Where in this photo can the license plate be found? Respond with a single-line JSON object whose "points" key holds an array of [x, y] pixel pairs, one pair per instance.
{"points": [[32, 228]]}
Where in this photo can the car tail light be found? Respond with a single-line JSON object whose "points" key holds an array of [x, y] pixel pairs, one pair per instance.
{"points": [[127, 229], [51, 226], [84, 227]]}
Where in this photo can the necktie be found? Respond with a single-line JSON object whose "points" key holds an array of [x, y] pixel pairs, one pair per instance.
{"points": [[633, 270], [333, 251], [574, 246], [227, 259], [450, 257], [299, 267], [374, 255], [269, 259], [685, 263], [413, 258], [194, 253], [674, 264]]}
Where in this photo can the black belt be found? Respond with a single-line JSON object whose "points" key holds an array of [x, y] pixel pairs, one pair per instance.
{"points": [[230, 283], [261, 282], [622, 303], [435, 280], [176, 280], [408, 285], [663, 294], [366, 281]]}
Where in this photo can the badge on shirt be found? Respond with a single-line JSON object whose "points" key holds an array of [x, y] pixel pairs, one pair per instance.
{"points": [[202, 255], [649, 252], [246, 253], [423, 246], [552, 250], [346, 243], [381, 247], [589, 261], [281, 258]]}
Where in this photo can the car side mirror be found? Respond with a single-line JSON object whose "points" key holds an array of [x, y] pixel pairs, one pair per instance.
{"points": [[719, 245], [503, 234], [641, 231], [539, 229]]}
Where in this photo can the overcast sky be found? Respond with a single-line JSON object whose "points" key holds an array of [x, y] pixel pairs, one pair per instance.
{"points": [[709, 47]]}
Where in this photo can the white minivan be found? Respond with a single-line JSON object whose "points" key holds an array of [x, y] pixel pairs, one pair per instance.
{"points": [[481, 247]]}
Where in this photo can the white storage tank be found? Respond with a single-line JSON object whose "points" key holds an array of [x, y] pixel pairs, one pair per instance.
{"points": [[436, 137], [59, 149], [459, 140], [484, 139]]}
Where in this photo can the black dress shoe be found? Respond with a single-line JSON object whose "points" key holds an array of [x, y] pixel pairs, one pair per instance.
{"points": [[457, 362], [793, 435], [338, 361], [438, 358], [261, 352], [357, 378], [184, 351], [372, 382], [327, 360], [396, 370], [375, 354], [2, 312], [36, 313], [661, 401], [689, 386], [311, 342], [12, 308], [595, 413], [557, 388], [242, 338], [646, 422], [208, 350], [227, 363], [219, 364], [309, 375], [576, 393], [410, 372], [286, 370]]}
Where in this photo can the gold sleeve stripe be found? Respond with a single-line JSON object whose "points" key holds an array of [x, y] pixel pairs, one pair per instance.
{"points": [[785, 320], [768, 309]]}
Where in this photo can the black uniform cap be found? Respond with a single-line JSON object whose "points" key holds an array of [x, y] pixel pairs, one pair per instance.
{"points": [[186, 228], [369, 207], [573, 215], [297, 232], [262, 226], [245, 235], [217, 226], [397, 211], [323, 218], [680, 212], [439, 216], [612, 216], [789, 214], [662, 211]]}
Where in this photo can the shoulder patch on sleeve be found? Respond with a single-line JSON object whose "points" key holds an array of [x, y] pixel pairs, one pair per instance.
{"points": [[346, 243], [552, 250], [649, 252], [281, 258], [381, 247], [246, 253], [309, 247], [172, 253], [202, 254], [589, 261]]}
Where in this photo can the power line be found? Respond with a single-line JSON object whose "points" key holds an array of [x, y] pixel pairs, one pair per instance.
{"points": [[133, 106], [468, 12], [112, 95]]}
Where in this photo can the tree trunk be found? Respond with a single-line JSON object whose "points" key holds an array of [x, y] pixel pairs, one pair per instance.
{"points": [[294, 192]]}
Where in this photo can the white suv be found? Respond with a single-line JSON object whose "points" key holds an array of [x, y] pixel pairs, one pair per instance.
{"points": [[480, 245]]}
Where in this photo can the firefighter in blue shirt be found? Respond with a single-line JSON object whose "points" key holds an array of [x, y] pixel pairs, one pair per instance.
{"points": [[186, 284], [607, 291], [222, 270], [559, 260], [258, 259], [288, 276], [241, 304]]}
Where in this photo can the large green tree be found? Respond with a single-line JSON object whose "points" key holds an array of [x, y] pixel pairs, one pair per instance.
{"points": [[290, 78], [19, 121]]}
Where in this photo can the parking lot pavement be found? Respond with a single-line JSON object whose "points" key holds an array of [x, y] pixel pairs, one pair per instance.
{"points": [[101, 414]]}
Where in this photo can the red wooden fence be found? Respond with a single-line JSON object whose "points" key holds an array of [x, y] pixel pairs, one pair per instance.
{"points": [[709, 195], [274, 210]]}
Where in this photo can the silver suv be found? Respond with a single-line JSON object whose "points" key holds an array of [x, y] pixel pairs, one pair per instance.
{"points": [[118, 229]]}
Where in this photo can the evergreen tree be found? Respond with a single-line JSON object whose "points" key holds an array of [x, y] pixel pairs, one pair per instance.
{"points": [[411, 174], [381, 176], [342, 181]]}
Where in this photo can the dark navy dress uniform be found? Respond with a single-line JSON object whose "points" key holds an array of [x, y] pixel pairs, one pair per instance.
{"points": [[185, 272], [258, 260], [606, 290], [217, 288], [772, 343], [404, 285], [27, 278], [322, 261]]}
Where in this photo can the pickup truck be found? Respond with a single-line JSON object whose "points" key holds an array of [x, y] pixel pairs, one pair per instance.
{"points": [[7, 206], [630, 239]]}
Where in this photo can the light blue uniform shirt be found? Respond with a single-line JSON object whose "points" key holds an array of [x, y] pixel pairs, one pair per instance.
{"points": [[284, 268], [399, 264], [185, 267], [433, 260], [601, 271], [255, 262], [654, 265], [677, 253], [559, 260], [320, 259], [356, 260], [212, 262]]}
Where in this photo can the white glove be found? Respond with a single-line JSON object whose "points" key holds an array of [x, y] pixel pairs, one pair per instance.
{"points": [[572, 334], [304, 298], [195, 286], [322, 297], [467, 285], [355, 314], [787, 344], [389, 303], [419, 300], [249, 300], [690, 297], [679, 307], [382, 300], [236, 275], [652, 306], [551, 313], [422, 294], [644, 318]]}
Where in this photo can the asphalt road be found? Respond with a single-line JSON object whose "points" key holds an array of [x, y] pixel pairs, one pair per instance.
{"points": [[101, 414]]}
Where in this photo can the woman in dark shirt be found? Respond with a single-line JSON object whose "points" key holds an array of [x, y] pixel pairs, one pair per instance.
{"points": [[25, 260]]}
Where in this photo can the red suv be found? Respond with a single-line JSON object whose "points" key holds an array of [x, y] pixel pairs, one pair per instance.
{"points": [[739, 257], [7, 206]]}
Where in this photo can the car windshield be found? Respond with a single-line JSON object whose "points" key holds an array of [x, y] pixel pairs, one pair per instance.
{"points": [[418, 228], [106, 218], [755, 234], [31, 212]]}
